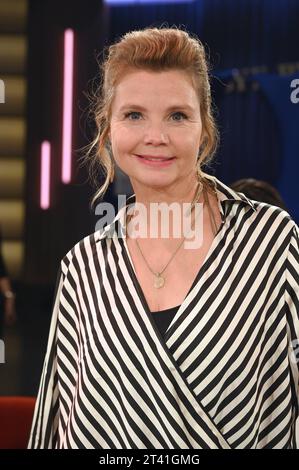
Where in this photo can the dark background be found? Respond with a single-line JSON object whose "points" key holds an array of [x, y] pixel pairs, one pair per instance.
{"points": [[238, 34], [253, 46]]}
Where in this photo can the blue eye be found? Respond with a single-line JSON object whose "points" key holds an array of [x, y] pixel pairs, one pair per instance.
{"points": [[178, 113], [132, 113], [135, 115]]}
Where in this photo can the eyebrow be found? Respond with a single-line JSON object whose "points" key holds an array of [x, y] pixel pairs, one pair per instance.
{"points": [[171, 108]]}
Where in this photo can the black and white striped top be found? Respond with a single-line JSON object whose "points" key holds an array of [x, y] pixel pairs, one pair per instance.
{"points": [[224, 375]]}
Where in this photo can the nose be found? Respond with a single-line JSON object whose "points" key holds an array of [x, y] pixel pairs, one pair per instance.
{"points": [[156, 134]]}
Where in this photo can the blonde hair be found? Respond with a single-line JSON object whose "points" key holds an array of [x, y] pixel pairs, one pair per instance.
{"points": [[153, 49]]}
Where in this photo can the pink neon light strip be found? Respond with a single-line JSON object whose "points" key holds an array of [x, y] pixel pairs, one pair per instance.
{"points": [[45, 175], [67, 105]]}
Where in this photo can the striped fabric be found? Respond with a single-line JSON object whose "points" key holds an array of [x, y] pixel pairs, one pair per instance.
{"points": [[225, 375]]}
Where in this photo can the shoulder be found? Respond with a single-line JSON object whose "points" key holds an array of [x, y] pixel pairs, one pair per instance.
{"points": [[254, 215], [271, 222], [273, 216], [93, 245], [88, 247]]}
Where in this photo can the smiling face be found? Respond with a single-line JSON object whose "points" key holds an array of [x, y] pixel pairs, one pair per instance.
{"points": [[156, 129]]}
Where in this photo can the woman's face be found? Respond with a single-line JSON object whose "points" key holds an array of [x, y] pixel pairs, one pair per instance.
{"points": [[154, 116]]}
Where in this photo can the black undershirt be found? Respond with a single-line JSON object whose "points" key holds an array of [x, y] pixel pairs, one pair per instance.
{"points": [[164, 318]]}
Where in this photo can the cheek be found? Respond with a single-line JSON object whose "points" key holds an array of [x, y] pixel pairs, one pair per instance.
{"points": [[122, 145], [126, 142], [118, 139], [190, 141]]}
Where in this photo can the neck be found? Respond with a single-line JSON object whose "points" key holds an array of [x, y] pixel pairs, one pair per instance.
{"points": [[151, 214], [179, 192]]}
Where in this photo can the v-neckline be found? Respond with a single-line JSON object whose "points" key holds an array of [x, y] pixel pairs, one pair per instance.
{"points": [[130, 266], [200, 272]]}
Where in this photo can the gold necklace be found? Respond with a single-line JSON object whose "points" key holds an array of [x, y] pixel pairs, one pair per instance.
{"points": [[159, 280]]}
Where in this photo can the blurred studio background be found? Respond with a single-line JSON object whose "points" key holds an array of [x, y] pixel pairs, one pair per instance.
{"points": [[48, 61]]}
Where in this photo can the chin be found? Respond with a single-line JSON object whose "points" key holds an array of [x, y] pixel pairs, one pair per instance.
{"points": [[155, 182]]}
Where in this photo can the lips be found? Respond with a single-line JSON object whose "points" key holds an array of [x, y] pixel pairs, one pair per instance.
{"points": [[155, 161], [156, 158]]}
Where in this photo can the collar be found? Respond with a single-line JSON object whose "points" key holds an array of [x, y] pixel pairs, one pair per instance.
{"points": [[225, 195]]}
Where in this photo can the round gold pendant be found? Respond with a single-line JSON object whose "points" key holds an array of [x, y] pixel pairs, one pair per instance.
{"points": [[159, 281]]}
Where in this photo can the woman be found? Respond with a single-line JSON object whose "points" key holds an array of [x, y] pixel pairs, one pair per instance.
{"points": [[153, 345]]}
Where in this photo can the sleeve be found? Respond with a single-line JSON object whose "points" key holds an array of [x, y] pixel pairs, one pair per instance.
{"points": [[292, 308], [44, 427]]}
